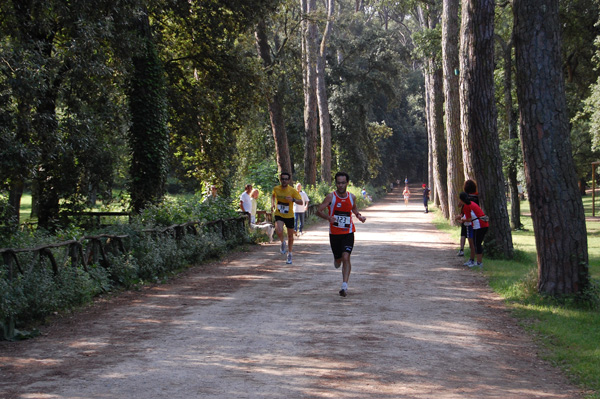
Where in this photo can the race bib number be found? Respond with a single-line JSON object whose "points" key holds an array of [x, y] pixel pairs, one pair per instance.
{"points": [[342, 220], [283, 208]]}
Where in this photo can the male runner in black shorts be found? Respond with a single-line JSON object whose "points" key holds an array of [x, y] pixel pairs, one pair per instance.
{"points": [[342, 205]]}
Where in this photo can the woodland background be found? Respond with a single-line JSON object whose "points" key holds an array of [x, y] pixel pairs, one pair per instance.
{"points": [[141, 98]]}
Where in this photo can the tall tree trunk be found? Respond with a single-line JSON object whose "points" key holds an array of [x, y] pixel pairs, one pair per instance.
{"points": [[309, 46], [324, 120], [282, 151], [46, 179], [148, 134], [435, 115], [452, 104], [284, 162], [14, 201], [438, 143], [478, 120], [515, 203], [428, 100], [556, 206]]}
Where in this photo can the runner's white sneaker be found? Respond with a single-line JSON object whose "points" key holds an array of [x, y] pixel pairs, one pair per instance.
{"points": [[460, 253], [469, 263], [289, 259], [283, 248]]}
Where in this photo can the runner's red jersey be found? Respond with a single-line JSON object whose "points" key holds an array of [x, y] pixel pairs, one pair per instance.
{"points": [[341, 209]]}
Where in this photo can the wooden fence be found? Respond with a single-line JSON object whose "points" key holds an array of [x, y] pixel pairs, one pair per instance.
{"points": [[94, 249]]}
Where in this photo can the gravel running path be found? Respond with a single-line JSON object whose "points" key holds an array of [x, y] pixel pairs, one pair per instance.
{"points": [[415, 324]]}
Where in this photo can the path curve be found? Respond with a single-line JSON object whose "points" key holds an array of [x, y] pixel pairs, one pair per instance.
{"points": [[415, 324]]}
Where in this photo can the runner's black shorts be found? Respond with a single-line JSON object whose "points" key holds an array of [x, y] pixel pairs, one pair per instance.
{"points": [[341, 243], [288, 222], [466, 231]]}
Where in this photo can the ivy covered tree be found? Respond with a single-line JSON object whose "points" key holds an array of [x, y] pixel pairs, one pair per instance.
{"points": [[148, 135]]}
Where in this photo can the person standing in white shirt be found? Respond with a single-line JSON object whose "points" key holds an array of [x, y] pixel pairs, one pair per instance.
{"points": [[245, 200], [299, 210]]}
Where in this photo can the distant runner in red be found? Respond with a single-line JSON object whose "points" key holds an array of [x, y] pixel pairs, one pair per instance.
{"points": [[341, 205]]}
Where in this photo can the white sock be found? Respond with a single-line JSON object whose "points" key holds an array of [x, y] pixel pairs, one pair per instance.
{"points": [[344, 286]]}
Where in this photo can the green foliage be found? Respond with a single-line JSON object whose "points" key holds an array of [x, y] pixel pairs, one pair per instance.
{"points": [[61, 98], [148, 135], [592, 108], [213, 84], [264, 176], [150, 257], [428, 43], [181, 209], [376, 83], [39, 293]]}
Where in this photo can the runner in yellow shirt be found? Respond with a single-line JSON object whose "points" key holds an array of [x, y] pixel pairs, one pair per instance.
{"points": [[282, 200]]}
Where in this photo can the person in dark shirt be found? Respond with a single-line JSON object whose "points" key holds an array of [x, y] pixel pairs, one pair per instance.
{"points": [[425, 197]]}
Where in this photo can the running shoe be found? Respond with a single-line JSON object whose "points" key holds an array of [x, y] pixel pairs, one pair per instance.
{"points": [[479, 264], [336, 265], [460, 253], [343, 292], [283, 248], [289, 259], [469, 263]]}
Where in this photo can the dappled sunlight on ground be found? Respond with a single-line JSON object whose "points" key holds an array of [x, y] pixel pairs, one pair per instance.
{"points": [[415, 325]]}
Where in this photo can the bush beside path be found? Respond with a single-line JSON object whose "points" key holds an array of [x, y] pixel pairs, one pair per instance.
{"points": [[416, 324]]}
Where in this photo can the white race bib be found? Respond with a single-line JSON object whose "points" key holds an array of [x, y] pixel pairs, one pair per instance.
{"points": [[283, 208], [342, 221]]}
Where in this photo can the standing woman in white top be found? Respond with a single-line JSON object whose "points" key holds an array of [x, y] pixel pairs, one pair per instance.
{"points": [[254, 198], [299, 210]]}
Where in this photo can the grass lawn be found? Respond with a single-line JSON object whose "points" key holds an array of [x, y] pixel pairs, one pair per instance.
{"points": [[570, 334]]}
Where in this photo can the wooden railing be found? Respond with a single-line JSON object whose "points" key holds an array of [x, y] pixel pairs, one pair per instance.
{"points": [[97, 247]]}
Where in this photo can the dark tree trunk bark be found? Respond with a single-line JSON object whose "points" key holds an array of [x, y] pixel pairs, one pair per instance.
{"points": [[438, 144], [47, 182], [555, 202], [456, 175], [429, 178], [282, 151], [309, 30], [515, 203], [324, 120], [14, 201], [480, 134], [47, 177], [435, 104], [148, 133]]}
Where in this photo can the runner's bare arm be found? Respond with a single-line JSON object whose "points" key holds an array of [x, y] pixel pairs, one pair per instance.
{"points": [[355, 210], [326, 202]]}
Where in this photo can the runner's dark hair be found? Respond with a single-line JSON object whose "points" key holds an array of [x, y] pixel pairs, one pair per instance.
{"points": [[342, 174], [470, 187], [464, 197]]}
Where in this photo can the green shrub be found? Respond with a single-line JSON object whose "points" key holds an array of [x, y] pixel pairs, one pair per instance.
{"points": [[150, 256]]}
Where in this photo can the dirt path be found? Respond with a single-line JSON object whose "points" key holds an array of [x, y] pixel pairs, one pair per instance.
{"points": [[415, 325]]}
